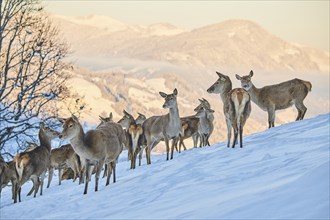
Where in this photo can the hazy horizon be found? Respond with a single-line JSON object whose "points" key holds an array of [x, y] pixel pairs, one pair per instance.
{"points": [[302, 22]]}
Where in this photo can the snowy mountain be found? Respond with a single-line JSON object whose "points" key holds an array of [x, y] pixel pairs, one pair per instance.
{"points": [[282, 173], [232, 44]]}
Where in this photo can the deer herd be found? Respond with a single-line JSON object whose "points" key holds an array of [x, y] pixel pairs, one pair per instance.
{"points": [[98, 149]]}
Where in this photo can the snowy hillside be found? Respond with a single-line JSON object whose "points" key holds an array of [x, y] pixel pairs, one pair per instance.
{"points": [[281, 173]]}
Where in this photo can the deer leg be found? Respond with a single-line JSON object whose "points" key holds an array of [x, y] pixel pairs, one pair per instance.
{"points": [[195, 140], [140, 155], [113, 165], [74, 173], [19, 190], [13, 187], [109, 172], [176, 147], [301, 110], [59, 175], [241, 136], [167, 148], [235, 137], [228, 132], [36, 186], [105, 170], [88, 171], [174, 143], [50, 176], [41, 182], [148, 149], [180, 144], [98, 166], [31, 190], [271, 116], [17, 187], [184, 146]]}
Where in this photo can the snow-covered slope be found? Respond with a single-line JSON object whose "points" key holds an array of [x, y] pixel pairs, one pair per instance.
{"points": [[282, 173]]}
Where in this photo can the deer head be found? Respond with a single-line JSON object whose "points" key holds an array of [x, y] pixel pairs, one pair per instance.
{"points": [[245, 80], [170, 99], [220, 85], [71, 127]]}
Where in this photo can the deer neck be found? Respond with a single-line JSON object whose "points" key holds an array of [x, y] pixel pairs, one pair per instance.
{"points": [[78, 142], [254, 93], [226, 91], [210, 117], [174, 115], [44, 140]]}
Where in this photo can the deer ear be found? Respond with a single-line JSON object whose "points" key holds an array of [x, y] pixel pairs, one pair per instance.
{"points": [[219, 74], [61, 120], [110, 116], [74, 118], [251, 73], [205, 100], [175, 92], [41, 125], [162, 94], [102, 119], [238, 77], [200, 100]]}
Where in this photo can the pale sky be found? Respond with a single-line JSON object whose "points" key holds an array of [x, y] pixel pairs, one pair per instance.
{"points": [[305, 22]]}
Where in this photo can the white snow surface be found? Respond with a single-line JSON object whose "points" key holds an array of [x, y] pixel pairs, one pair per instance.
{"points": [[281, 173]]}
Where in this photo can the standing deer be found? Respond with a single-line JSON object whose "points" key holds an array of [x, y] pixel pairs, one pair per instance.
{"points": [[134, 134], [141, 140], [165, 127], [279, 96], [61, 158], [205, 126], [236, 106], [189, 128], [125, 122], [96, 147], [209, 115], [34, 164]]}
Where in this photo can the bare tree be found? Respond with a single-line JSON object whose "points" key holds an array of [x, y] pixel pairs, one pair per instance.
{"points": [[32, 71]]}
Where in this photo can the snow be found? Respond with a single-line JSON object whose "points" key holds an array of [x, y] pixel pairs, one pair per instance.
{"points": [[281, 173]]}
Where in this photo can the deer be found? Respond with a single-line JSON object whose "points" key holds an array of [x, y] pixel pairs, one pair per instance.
{"points": [[34, 164], [189, 128], [135, 135], [209, 115], [276, 97], [95, 147], [236, 106], [165, 127], [8, 174], [63, 157], [141, 145], [205, 126]]}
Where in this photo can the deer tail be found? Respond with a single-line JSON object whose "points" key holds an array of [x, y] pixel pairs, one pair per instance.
{"points": [[308, 85], [20, 163]]}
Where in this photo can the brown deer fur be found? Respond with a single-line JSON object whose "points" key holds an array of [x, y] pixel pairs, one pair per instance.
{"points": [[63, 157], [279, 96], [34, 164]]}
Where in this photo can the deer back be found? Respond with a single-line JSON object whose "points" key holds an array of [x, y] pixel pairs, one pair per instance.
{"points": [[283, 94]]}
